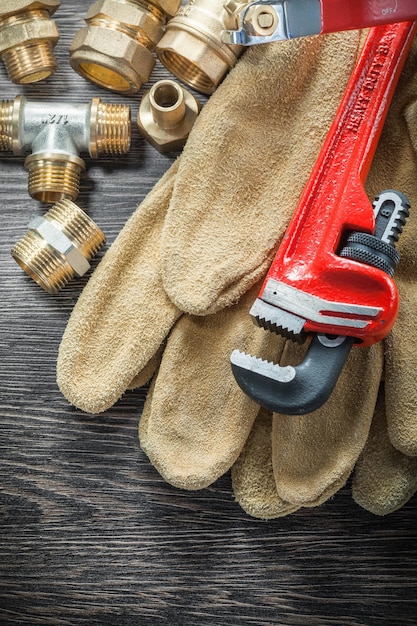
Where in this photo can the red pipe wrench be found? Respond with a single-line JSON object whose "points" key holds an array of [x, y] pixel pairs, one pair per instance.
{"points": [[263, 21], [332, 275]]}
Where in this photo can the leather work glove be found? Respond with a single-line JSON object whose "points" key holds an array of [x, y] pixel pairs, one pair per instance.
{"points": [[199, 244]]}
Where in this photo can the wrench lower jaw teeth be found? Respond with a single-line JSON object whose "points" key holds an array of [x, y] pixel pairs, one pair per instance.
{"points": [[264, 368], [293, 390]]}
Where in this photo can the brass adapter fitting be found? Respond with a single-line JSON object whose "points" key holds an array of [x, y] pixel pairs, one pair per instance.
{"points": [[55, 134], [166, 115], [192, 48], [115, 49], [58, 246], [27, 39]]}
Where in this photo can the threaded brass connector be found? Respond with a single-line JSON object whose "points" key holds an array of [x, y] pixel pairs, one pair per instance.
{"points": [[27, 39], [58, 246], [55, 134], [166, 115], [115, 49], [192, 48]]}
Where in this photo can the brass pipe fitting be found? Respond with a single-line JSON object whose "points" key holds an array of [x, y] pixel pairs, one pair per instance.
{"points": [[115, 49], [58, 246], [192, 48], [55, 134], [166, 115], [27, 39]]}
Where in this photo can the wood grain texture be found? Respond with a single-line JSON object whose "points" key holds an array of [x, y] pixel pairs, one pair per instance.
{"points": [[89, 532]]}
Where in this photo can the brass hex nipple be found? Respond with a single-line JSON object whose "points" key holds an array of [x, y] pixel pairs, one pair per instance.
{"points": [[115, 49], [58, 246], [27, 39], [55, 134], [166, 115], [192, 47]]}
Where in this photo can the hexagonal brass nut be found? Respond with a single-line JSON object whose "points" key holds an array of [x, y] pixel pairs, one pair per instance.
{"points": [[15, 34], [13, 7], [111, 59], [132, 15], [169, 7], [166, 115], [61, 244]]}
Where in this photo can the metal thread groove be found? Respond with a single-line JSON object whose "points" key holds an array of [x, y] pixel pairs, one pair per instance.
{"points": [[6, 125], [136, 34], [50, 181], [113, 129], [27, 48], [30, 63], [78, 227], [41, 263], [186, 71]]}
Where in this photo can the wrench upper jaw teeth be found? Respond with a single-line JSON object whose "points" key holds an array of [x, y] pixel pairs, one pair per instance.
{"points": [[278, 321]]}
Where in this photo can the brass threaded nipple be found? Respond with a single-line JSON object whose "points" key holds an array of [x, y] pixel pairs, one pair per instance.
{"points": [[53, 177], [27, 40], [30, 63], [110, 129], [58, 246]]}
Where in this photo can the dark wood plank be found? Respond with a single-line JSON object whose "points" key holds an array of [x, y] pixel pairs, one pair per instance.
{"points": [[90, 534]]}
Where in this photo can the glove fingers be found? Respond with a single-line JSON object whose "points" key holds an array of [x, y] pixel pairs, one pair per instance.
{"points": [[197, 418], [122, 315], [313, 452], [253, 478], [252, 475], [330, 491], [384, 478], [245, 164]]}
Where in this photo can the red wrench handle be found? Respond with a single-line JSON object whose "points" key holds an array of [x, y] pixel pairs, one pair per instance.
{"points": [[334, 201], [338, 15]]}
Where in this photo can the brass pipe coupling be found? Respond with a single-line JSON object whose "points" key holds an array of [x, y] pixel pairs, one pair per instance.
{"points": [[115, 49], [55, 134], [58, 246], [27, 39], [166, 115], [192, 48]]}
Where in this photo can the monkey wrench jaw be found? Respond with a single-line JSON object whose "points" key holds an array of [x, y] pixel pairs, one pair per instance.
{"points": [[303, 388], [294, 390]]}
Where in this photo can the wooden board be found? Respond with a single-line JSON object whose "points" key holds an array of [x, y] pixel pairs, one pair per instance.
{"points": [[89, 532]]}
